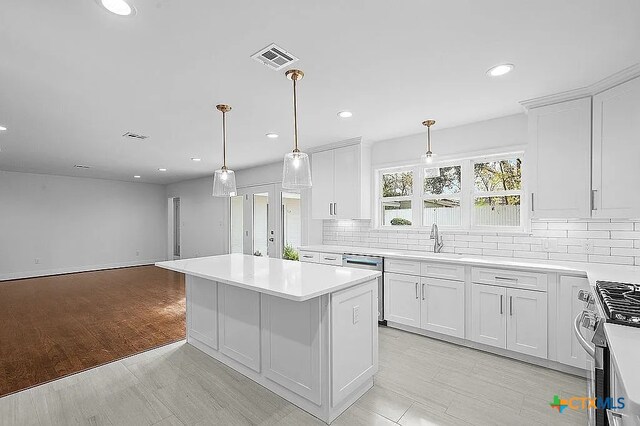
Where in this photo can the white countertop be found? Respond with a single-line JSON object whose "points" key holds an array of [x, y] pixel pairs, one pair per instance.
{"points": [[624, 348], [288, 279]]}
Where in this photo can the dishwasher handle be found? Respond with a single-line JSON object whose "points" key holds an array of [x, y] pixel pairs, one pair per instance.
{"points": [[577, 324]]}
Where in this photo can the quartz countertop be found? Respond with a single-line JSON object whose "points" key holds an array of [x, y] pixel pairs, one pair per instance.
{"points": [[288, 279]]}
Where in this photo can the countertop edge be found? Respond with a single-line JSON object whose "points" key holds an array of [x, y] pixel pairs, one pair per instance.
{"points": [[271, 292]]}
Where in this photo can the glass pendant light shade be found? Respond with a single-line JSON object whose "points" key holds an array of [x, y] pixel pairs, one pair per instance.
{"points": [[224, 183], [427, 158], [296, 173], [224, 180]]}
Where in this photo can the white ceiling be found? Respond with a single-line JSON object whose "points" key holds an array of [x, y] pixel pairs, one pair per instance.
{"points": [[74, 78]]}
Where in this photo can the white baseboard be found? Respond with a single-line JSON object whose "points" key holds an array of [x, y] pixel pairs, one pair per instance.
{"points": [[71, 270]]}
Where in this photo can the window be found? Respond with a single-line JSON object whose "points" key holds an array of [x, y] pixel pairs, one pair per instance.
{"points": [[397, 191], [463, 194], [441, 196], [497, 193]]}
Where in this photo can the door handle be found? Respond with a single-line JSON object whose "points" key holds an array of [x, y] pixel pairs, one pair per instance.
{"points": [[417, 291], [501, 309], [510, 305], [422, 291]]}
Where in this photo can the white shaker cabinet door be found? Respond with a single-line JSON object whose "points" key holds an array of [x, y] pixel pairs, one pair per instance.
{"points": [[347, 182], [488, 316], [442, 306], [527, 322], [559, 160], [569, 350], [616, 150], [402, 299], [322, 191]]}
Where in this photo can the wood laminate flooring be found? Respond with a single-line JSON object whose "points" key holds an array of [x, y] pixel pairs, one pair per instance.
{"points": [[58, 325], [421, 381]]}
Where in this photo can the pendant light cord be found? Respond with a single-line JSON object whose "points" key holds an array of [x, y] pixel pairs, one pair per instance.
{"points": [[295, 117], [224, 140], [429, 139]]}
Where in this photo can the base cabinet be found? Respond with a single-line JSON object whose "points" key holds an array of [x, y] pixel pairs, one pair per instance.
{"points": [[402, 299], [568, 349], [510, 318], [442, 306]]}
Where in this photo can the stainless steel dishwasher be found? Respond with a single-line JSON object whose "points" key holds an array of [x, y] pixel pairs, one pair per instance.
{"points": [[369, 262]]}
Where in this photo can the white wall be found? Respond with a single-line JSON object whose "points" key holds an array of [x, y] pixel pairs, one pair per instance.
{"points": [[204, 218], [499, 134], [72, 224]]}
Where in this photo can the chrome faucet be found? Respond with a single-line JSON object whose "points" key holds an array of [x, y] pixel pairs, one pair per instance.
{"points": [[437, 243]]}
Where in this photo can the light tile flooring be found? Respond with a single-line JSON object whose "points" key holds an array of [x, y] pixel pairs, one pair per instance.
{"points": [[421, 382]]}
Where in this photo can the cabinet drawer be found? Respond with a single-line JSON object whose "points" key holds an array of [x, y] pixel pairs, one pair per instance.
{"points": [[509, 278], [398, 266], [331, 259], [442, 270], [309, 256]]}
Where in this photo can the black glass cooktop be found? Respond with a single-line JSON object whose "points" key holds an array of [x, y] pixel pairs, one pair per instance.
{"points": [[621, 302]]}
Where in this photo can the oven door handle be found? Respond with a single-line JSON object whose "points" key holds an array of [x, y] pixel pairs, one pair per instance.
{"points": [[577, 323]]}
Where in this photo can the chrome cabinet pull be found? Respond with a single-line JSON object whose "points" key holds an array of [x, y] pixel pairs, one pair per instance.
{"points": [[532, 209], [307, 256], [329, 258], [510, 305], [330, 209], [514, 279], [501, 309], [335, 209], [593, 199], [422, 291], [417, 291]]}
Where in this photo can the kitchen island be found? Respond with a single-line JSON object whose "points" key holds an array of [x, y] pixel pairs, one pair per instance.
{"points": [[307, 332]]}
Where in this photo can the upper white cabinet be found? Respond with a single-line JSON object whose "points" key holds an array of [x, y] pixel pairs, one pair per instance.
{"points": [[341, 183], [559, 159], [616, 150]]}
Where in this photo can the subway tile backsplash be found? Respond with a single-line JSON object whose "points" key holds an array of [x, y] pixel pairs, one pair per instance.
{"points": [[612, 241]]}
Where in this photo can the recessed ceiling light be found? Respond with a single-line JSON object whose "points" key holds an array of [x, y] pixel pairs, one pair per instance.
{"points": [[196, 159], [162, 170], [345, 114], [136, 177], [499, 70], [2, 128], [119, 7], [272, 135]]}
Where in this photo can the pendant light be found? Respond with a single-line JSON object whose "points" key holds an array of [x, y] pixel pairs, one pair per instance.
{"points": [[224, 180], [427, 158], [296, 172]]}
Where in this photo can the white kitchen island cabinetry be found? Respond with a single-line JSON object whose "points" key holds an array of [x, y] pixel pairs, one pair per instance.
{"points": [[307, 332]]}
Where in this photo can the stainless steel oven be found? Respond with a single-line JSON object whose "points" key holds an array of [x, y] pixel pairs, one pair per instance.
{"points": [[369, 262]]}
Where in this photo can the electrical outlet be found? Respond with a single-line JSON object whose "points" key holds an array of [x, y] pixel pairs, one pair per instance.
{"points": [[550, 244], [588, 247], [36, 260], [356, 314]]}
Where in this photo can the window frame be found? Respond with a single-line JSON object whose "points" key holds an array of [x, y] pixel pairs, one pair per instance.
{"points": [[466, 195]]}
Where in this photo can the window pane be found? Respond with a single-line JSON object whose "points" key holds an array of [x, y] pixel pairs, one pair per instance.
{"points": [[497, 211], [396, 213], [500, 175], [444, 212], [397, 184], [442, 180]]}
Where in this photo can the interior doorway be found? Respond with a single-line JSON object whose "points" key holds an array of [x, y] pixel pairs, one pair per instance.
{"points": [[265, 221], [175, 238]]}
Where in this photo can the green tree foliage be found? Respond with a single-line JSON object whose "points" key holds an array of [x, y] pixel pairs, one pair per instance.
{"points": [[502, 175], [448, 181], [400, 221], [290, 253], [397, 184]]}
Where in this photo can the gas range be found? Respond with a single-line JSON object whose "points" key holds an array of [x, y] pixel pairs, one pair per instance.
{"points": [[620, 302]]}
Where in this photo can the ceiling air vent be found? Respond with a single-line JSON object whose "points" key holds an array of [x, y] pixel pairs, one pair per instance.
{"points": [[274, 57], [81, 166], [134, 136]]}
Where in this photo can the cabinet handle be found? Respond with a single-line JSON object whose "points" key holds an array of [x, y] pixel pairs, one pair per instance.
{"points": [[501, 309], [307, 256], [510, 305], [422, 291], [330, 258], [335, 209], [417, 291], [532, 207], [514, 279], [593, 199], [330, 209]]}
